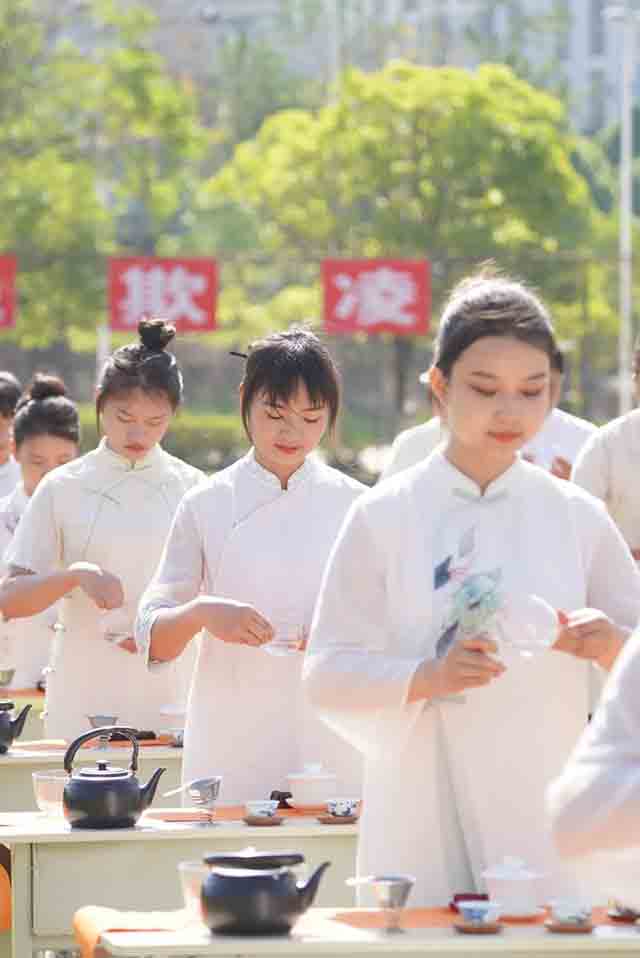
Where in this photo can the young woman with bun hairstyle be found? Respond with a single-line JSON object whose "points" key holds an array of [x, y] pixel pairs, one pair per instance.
{"points": [[244, 561], [10, 392], [430, 581], [46, 433], [92, 535]]}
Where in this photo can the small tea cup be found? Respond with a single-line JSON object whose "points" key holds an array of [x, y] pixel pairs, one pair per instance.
{"points": [[342, 807], [479, 912], [567, 911], [261, 808]]}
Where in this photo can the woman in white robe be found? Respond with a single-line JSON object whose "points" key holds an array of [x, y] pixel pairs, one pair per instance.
{"points": [[46, 432], [91, 536], [594, 802], [607, 467], [459, 744], [244, 561]]}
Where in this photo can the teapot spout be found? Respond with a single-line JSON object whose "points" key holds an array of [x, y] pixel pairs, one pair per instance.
{"points": [[307, 890], [17, 726], [148, 791]]}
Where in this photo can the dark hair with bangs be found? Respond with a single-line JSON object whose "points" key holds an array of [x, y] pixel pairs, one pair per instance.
{"points": [[143, 365], [279, 363], [10, 390], [46, 410], [488, 304]]}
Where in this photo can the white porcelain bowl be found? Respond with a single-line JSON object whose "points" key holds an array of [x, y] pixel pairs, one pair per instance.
{"points": [[48, 788], [312, 786]]}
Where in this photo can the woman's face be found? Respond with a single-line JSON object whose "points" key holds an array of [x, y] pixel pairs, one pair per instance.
{"points": [[496, 398], [134, 422], [283, 434], [38, 455]]}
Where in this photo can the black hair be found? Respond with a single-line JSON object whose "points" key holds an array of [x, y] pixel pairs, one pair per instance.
{"points": [[143, 365], [10, 392], [488, 304], [45, 410], [557, 361], [279, 363]]}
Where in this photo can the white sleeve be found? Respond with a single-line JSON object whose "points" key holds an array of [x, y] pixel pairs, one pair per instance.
{"points": [[592, 468], [595, 803], [37, 544], [354, 671], [178, 578], [613, 579]]}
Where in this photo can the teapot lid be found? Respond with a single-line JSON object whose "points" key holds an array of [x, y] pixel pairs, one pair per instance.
{"points": [[101, 771], [6, 706], [250, 859]]}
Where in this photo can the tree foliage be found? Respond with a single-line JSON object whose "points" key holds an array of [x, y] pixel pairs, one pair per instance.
{"points": [[437, 162]]}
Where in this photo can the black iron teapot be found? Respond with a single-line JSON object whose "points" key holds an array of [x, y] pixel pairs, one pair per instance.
{"points": [[255, 893], [106, 796], [10, 729]]}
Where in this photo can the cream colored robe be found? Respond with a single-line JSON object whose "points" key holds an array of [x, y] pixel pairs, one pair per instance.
{"points": [[451, 787], [243, 537], [101, 509]]}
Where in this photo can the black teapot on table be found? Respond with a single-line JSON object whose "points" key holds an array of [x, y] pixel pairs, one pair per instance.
{"points": [[10, 729], [106, 796], [255, 893]]}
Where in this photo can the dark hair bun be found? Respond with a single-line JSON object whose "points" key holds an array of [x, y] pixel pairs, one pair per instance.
{"points": [[155, 334], [44, 386]]}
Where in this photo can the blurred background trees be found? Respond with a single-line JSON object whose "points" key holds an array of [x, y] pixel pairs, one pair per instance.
{"points": [[110, 142]]}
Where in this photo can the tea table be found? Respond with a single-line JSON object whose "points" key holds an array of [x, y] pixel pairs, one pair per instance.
{"points": [[55, 870]]}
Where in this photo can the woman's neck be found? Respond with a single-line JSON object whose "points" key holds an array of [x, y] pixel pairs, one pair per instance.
{"points": [[481, 466]]}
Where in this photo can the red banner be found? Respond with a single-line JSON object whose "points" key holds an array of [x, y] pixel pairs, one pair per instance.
{"points": [[182, 291], [376, 296], [8, 269]]}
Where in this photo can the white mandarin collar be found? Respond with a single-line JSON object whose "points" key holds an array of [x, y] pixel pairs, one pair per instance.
{"points": [[306, 471], [118, 462], [466, 488]]}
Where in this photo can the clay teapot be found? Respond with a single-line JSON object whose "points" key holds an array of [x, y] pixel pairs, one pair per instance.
{"points": [[10, 729], [103, 795], [256, 893]]}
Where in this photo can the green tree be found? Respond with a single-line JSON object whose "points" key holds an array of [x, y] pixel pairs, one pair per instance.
{"points": [[100, 149], [419, 161]]}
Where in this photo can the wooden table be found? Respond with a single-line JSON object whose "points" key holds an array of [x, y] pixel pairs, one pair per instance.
{"points": [[16, 786], [55, 870], [317, 936]]}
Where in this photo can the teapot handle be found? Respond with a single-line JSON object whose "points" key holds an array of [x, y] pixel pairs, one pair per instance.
{"points": [[129, 733]]}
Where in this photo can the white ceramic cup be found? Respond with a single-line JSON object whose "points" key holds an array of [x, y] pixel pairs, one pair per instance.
{"points": [[261, 808], [342, 807], [569, 911], [478, 912]]}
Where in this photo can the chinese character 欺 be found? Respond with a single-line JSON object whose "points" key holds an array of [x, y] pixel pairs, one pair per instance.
{"points": [[157, 291]]}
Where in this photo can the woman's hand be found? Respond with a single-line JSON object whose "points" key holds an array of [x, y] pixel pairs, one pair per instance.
{"points": [[561, 467], [590, 634], [103, 588], [233, 621], [467, 665]]}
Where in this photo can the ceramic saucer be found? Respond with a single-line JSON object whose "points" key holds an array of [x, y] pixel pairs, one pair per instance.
{"points": [[263, 820], [569, 928], [337, 819], [468, 928]]}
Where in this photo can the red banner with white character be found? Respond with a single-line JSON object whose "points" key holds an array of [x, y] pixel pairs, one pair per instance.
{"points": [[182, 291], [8, 270], [376, 296]]}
